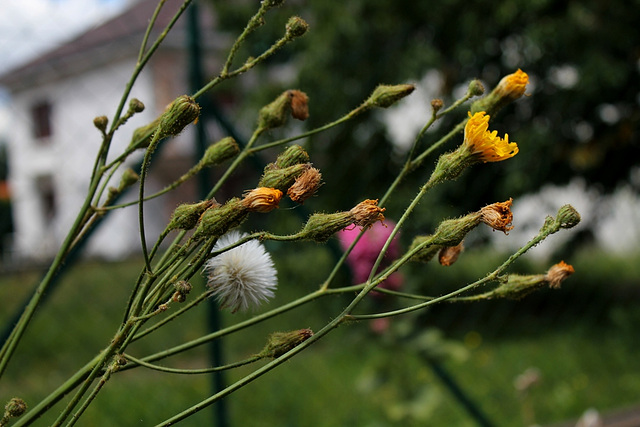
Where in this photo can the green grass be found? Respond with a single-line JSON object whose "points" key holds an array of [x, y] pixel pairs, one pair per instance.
{"points": [[582, 339]]}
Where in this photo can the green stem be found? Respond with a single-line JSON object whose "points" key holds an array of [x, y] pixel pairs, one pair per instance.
{"points": [[490, 277], [174, 315], [192, 371]]}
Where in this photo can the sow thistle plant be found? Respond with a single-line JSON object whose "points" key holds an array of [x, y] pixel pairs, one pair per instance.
{"points": [[209, 240]]}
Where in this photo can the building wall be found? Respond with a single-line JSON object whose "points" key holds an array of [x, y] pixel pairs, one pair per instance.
{"points": [[62, 163]]}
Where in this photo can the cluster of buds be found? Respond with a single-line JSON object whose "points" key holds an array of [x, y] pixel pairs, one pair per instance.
{"points": [[515, 286], [447, 239], [292, 173], [320, 227], [280, 343], [291, 102]]}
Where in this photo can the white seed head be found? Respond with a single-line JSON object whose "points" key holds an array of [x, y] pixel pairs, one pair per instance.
{"points": [[243, 276]]}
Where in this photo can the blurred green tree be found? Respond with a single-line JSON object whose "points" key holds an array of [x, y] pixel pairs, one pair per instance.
{"points": [[582, 58]]}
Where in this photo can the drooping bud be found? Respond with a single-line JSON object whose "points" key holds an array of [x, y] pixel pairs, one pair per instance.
{"points": [[279, 343], [262, 199], [217, 220], [296, 27], [384, 96], [186, 216], [299, 105], [282, 179], [366, 213], [305, 185], [181, 112], [219, 152], [449, 254], [498, 216], [559, 273], [101, 123], [293, 155]]}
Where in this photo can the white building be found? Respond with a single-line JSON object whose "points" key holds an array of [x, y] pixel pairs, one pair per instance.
{"points": [[52, 141]]}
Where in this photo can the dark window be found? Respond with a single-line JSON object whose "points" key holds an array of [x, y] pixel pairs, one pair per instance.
{"points": [[41, 116], [47, 196]]}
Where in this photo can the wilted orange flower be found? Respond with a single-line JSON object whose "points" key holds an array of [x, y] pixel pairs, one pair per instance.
{"points": [[305, 185], [513, 85], [488, 146], [262, 199], [366, 213], [498, 215], [558, 273]]}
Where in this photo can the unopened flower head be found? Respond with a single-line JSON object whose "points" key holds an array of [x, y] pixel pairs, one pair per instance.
{"points": [[558, 273], [305, 185], [262, 199], [486, 146], [512, 86], [498, 216], [243, 276]]}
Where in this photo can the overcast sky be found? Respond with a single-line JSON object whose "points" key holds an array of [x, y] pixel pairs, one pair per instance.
{"points": [[29, 27]]}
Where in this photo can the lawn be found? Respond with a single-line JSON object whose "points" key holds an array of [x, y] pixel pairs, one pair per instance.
{"points": [[581, 341]]}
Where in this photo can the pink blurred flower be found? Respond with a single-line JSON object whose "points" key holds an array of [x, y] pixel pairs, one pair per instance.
{"points": [[364, 254]]}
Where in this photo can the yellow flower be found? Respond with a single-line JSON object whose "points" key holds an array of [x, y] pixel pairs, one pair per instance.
{"points": [[487, 146], [513, 85], [262, 199]]}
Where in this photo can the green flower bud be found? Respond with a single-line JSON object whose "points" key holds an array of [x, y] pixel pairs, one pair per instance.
{"points": [[186, 216], [296, 27], [282, 179], [385, 96], [320, 227], [129, 178], [293, 155], [136, 106], [281, 342], [15, 407], [143, 135], [182, 111], [451, 232], [219, 152], [475, 88], [568, 216], [101, 123], [516, 286], [217, 220], [426, 253]]}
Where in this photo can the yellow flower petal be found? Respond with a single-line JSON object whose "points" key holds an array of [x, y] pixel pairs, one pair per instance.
{"points": [[488, 146]]}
